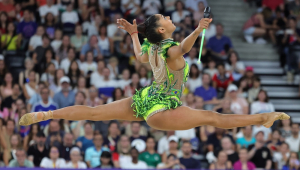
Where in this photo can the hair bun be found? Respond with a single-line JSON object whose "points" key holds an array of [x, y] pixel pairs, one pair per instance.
{"points": [[142, 28]]}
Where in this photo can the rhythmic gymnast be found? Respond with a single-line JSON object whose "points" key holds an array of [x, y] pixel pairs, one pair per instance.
{"points": [[159, 104]]}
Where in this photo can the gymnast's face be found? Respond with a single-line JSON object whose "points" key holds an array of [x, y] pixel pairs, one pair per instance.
{"points": [[166, 24]]}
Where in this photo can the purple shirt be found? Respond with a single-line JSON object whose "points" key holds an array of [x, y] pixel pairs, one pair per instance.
{"points": [[27, 29], [238, 165], [217, 45], [207, 95]]}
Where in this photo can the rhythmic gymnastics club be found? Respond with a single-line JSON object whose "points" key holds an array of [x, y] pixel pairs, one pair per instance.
{"points": [[205, 15]]}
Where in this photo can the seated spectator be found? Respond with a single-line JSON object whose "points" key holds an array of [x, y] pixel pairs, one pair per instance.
{"points": [[247, 138], [222, 162], [260, 128], [56, 43], [293, 162], [171, 163], [28, 26], [21, 161], [285, 128], [81, 87], [135, 84], [206, 131], [69, 16], [125, 79], [48, 76], [30, 87], [211, 70], [4, 22], [207, 92], [78, 40], [221, 80], [228, 149], [262, 104], [92, 27], [24, 75], [135, 163], [93, 153], [16, 94], [14, 144], [75, 159], [89, 66], [214, 139], [53, 161], [122, 156], [163, 144], [275, 141], [243, 162], [105, 43], [192, 5], [39, 150], [74, 73], [135, 129], [111, 10], [294, 140], [126, 46], [249, 76], [239, 105], [151, 7], [194, 81], [36, 39], [55, 134], [66, 147], [8, 7], [192, 58], [150, 156], [198, 15], [106, 86], [259, 154], [281, 156], [235, 66], [48, 7], [31, 138], [44, 104], [105, 160], [113, 136], [243, 89], [224, 107], [143, 74], [113, 64], [180, 13], [92, 45], [39, 51], [172, 148], [186, 159], [93, 99], [97, 75], [86, 140], [63, 51], [65, 97], [219, 45], [10, 41], [114, 32], [253, 92], [190, 100], [6, 88], [51, 26]]}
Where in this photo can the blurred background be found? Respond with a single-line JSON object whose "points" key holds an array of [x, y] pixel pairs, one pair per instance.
{"points": [[59, 53]]}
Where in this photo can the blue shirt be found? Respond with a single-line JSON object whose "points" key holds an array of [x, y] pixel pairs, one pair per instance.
{"points": [[217, 45], [244, 143], [40, 106], [207, 95], [190, 163], [37, 98], [93, 156], [86, 143], [85, 48], [27, 29], [63, 101]]}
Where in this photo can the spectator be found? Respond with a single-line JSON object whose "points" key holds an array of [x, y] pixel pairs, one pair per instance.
{"points": [[262, 104], [39, 51], [3, 22], [105, 43], [111, 10], [92, 27], [113, 31], [253, 92], [163, 143], [239, 105], [122, 156], [39, 150], [11, 41], [65, 97], [56, 43], [214, 139], [89, 66], [125, 80], [144, 78], [27, 27], [66, 147], [16, 94], [69, 16], [235, 66], [190, 100], [55, 133], [113, 136], [259, 154], [93, 99], [37, 97], [75, 160], [194, 80], [192, 5], [105, 160], [21, 160], [247, 138], [150, 156], [74, 73], [135, 129], [192, 57], [211, 70], [92, 45], [131, 8], [53, 161], [113, 67], [15, 143], [49, 7], [49, 59], [86, 141], [172, 148], [285, 128], [180, 13], [56, 86], [106, 86], [81, 87], [96, 76], [249, 76], [243, 162], [51, 27], [151, 7], [222, 162], [228, 149], [92, 154], [198, 14], [260, 128], [224, 107], [171, 163], [135, 163], [126, 46], [36, 39], [78, 40], [32, 138], [275, 141], [134, 85], [3, 69], [24, 75], [221, 80], [30, 87], [63, 51], [199, 103], [292, 162], [219, 45], [187, 160], [281, 156], [6, 88], [294, 139]]}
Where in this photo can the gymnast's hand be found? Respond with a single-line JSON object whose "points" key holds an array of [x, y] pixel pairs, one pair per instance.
{"points": [[204, 23], [125, 25]]}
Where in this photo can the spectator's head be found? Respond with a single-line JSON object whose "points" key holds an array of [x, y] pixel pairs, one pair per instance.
{"points": [[179, 5], [143, 71], [65, 42], [31, 76], [206, 79], [135, 79], [293, 159], [102, 30], [54, 153], [80, 98], [93, 40], [28, 64], [285, 123], [11, 28], [186, 149], [284, 148], [233, 57], [173, 142], [89, 56], [247, 131], [127, 39], [190, 98], [49, 56], [193, 53], [199, 102], [134, 153], [260, 137], [58, 34], [222, 158], [226, 103], [19, 103], [74, 68], [59, 73], [81, 82], [249, 72], [15, 141], [71, 53], [226, 143], [45, 94], [54, 127], [3, 17], [195, 72], [106, 73], [49, 2], [41, 138], [232, 89], [201, 6], [40, 30], [16, 89], [243, 155], [46, 40], [188, 22], [172, 159], [34, 129], [105, 158], [88, 128], [78, 29], [267, 13], [256, 83], [27, 15], [21, 157], [69, 7], [65, 83], [221, 69], [211, 64], [124, 145], [220, 29], [98, 140], [75, 154], [113, 129], [125, 74], [263, 96], [10, 125], [135, 127], [156, 27], [292, 22], [295, 129], [113, 61], [8, 79], [100, 65], [93, 92], [68, 139], [276, 135], [220, 131], [150, 143], [41, 85]]}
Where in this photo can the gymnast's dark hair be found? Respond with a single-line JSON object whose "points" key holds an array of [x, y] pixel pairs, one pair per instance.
{"points": [[148, 29]]}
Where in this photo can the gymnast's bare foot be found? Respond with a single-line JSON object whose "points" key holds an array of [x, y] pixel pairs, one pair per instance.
{"points": [[273, 116], [31, 118]]}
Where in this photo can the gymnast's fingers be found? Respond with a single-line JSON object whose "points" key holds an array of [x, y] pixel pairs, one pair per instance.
{"points": [[123, 28]]}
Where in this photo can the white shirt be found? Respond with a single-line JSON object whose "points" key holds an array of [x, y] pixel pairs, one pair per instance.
{"points": [[35, 41], [163, 145], [186, 134], [46, 9], [85, 67], [277, 157], [211, 72], [124, 159], [48, 163], [80, 165], [194, 83], [176, 18], [193, 61], [194, 4], [151, 6], [104, 4], [260, 107], [210, 32], [102, 83], [69, 17], [122, 83], [65, 64], [139, 165], [95, 77], [130, 6], [55, 44], [266, 131], [294, 143], [239, 65]]}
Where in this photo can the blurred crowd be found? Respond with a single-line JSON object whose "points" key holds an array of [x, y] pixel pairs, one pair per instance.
{"points": [[59, 53]]}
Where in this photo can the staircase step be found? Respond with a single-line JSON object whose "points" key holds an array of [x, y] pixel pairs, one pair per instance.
{"points": [[257, 64], [268, 70], [281, 88], [283, 94], [285, 101], [287, 107]]}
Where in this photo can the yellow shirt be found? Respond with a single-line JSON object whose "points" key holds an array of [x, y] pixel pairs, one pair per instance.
{"points": [[12, 44]]}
